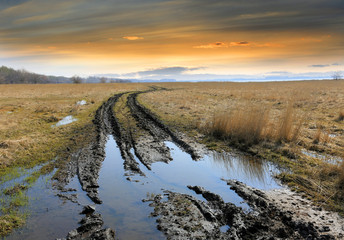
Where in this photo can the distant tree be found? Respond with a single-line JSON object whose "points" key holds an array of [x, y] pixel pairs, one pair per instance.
{"points": [[76, 79], [337, 75], [103, 80]]}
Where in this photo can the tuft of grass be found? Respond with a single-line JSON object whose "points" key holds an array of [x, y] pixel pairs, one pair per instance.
{"points": [[317, 136], [251, 125], [242, 125], [340, 116], [290, 128], [341, 177], [10, 221]]}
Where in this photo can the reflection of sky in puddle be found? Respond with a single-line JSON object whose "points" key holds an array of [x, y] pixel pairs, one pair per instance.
{"points": [[82, 102], [65, 121], [49, 217], [122, 208], [224, 228], [324, 157]]}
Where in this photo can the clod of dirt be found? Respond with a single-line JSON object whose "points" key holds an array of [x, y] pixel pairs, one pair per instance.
{"points": [[91, 229], [88, 209]]}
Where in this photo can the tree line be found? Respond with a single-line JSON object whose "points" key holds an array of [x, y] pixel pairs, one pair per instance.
{"points": [[11, 76]]}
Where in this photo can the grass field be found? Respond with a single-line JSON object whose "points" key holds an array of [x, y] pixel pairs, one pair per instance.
{"points": [[298, 125]]}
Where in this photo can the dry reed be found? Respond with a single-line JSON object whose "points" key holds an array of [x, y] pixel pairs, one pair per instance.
{"points": [[253, 124], [340, 116]]}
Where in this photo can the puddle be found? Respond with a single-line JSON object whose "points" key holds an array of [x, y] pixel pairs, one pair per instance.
{"points": [[324, 157], [122, 208], [49, 216], [224, 228], [82, 102], [66, 120]]}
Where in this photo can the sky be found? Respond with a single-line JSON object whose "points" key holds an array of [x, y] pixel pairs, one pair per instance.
{"points": [[174, 39]]}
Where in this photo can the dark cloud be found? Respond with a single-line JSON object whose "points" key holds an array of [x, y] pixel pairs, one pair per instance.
{"points": [[278, 72], [319, 65], [129, 16], [163, 72]]}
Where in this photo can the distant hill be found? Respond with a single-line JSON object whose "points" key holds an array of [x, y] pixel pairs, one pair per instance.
{"points": [[11, 76]]}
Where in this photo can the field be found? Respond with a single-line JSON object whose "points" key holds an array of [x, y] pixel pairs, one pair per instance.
{"points": [[297, 125]]}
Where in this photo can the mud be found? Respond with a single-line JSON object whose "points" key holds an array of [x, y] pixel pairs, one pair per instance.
{"points": [[86, 164], [278, 214], [91, 228], [182, 216], [147, 120]]}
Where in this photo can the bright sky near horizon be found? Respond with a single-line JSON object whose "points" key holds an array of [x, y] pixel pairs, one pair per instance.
{"points": [[180, 39]]}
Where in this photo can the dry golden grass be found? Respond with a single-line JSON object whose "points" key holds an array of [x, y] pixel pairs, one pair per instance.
{"points": [[243, 125], [340, 116], [293, 109], [28, 111]]}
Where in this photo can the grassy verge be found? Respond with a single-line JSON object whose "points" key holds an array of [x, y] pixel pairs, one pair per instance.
{"points": [[297, 125], [29, 137]]}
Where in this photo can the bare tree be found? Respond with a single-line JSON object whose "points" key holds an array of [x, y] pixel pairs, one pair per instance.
{"points": [[76, 79], [337, 75], [103, 80]]}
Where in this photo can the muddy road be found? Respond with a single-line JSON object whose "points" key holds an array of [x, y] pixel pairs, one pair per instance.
{"points": [[148, 181]]}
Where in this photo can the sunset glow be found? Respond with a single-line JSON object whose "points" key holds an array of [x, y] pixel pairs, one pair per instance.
{"points": [[205, 39]]}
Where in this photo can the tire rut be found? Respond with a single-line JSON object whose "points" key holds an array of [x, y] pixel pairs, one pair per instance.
{"points": [[148, 121]]}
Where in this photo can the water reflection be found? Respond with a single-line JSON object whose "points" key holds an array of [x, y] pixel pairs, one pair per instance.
{"points": [[237, 166], [123, 209], [66, 120], [324, 157]]}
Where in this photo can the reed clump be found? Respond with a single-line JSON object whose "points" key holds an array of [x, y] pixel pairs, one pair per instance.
{"points": [[253, 124], [340, 116]]}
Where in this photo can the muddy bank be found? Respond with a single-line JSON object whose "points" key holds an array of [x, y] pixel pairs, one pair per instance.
{"points": [[181, 216]]}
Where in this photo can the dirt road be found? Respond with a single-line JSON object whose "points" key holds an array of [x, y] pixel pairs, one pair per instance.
{"points": [[181, 216]]}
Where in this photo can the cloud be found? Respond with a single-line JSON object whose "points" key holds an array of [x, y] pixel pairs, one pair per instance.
{"points": [[278, 72], [336, 64], [239, 44], [133, 38], [213, 45], [163, 72], [319, 65]]}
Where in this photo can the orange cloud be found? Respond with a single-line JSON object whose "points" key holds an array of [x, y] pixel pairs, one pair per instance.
{"points": [[213, 45], [239, 44], [132, 38]]}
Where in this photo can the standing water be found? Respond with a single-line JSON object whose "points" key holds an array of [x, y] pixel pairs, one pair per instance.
{"points": [[123, 209]]}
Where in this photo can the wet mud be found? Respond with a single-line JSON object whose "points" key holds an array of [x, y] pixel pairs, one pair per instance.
{"points": [[182, 216], [276, 214]]}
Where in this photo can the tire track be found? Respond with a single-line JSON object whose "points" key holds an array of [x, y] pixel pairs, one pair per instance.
{"points": [[155, 126]]}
